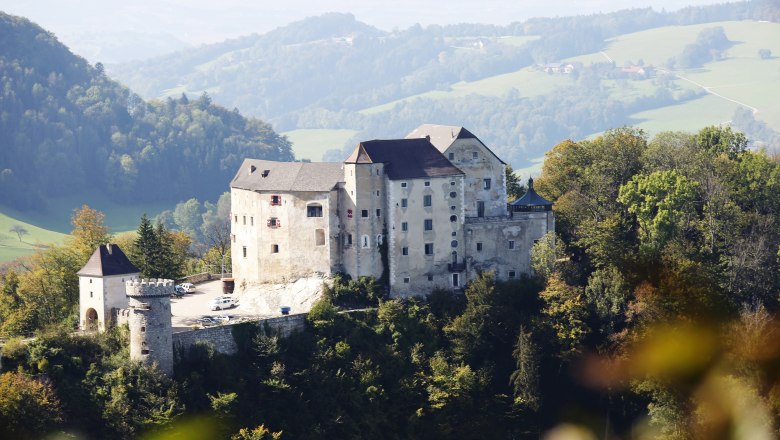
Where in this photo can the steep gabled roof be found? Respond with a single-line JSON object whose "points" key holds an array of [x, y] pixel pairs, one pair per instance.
{"points": [[107, 260], [404, 158], [442, 136], [266, 175]]}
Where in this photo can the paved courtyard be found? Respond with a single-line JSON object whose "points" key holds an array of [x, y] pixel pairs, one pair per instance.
{"points": [[254, 302]]}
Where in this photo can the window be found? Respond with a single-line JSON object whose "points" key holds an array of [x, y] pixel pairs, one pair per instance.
{"points": [[511, 274], [428, 248], [377, 173], [452, 208], [314, 210], [379, 239], [244, 219], [143, 329], [453, 194], [404, 250], [90, 281], [276, 200], [455, 280], [377, 193], [474, 155], [427, 183], [235, 219], [511, 244], [406, 280], [365, 241], [430, 277], [364, 213], [244, 249], [479, 247], [454, 233], [274, 222], [274, 248], [428, 223], [454, 243], [404, 203], [319, 237], [427, 200], [451, 156], [90, 294], [379, 213], [144, 351], [453, 218], [404, 226], [347, 240], [452, 183], [251, 221], [486, 183], [233, 237], [403, 184]]}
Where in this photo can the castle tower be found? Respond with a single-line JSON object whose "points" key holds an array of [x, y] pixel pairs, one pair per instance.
{"points": [[102, 286], [151, 338]]}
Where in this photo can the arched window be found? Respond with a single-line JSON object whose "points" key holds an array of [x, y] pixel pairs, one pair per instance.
{"points": [[365, 242], [453, 218], [379, 239]]}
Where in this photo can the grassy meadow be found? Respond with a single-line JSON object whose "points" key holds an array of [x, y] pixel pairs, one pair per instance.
{"points": [[313, 143]]}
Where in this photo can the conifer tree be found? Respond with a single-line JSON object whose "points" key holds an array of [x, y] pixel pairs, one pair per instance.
{"points": [[147, 247]]}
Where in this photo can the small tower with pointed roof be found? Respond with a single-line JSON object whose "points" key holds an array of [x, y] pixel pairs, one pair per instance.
{"points": [[102, 286]]}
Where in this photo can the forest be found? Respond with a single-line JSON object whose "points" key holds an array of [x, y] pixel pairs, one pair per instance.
{"points": [[67, 128], [651, 313]]}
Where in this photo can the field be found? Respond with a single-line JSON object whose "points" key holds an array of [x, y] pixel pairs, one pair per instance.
{"points": [[12, 247], [313, 143]]}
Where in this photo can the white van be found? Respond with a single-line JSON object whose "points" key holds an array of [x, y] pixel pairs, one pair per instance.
{"points": [[188, 287], [222, 302]]}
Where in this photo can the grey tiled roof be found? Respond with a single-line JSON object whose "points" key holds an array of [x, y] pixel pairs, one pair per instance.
{"points": [[404, 158], [531, 198], [266, 175], [108, 259], [442, 136]]}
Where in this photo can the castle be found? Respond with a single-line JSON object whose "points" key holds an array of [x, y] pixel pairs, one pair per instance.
{"points": [[428, 211]]}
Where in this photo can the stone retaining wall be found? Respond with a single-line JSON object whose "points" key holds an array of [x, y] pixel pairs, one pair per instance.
{"points": [[221, 336]]}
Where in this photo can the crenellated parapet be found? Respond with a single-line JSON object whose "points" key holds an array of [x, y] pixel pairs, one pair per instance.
{"points": [[149, 288]]}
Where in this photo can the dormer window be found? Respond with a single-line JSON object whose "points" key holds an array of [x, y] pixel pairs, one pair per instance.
{"points": [[265, 173]]}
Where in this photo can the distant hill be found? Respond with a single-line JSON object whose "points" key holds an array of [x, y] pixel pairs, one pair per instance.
{"points": [[334, 72], [66, 128]]}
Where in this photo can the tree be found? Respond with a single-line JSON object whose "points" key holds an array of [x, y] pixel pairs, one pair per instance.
{"points": [[514, 189], [525, 378], [565, 310], [663, 203], [187, 216], [147, 249], [19, 230], [29, 408], [718, 140], [259, 433], [89, 232], [545, 255]]}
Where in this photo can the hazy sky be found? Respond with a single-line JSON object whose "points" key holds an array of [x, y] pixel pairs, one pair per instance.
{"points": [[204, 21]]}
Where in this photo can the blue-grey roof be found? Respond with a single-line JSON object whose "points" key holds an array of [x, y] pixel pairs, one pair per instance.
{"points": [[107, 260], [531, 198]]}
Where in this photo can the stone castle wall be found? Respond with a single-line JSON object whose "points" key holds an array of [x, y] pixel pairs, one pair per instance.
{"points": [[221, 337], [149, 319]]}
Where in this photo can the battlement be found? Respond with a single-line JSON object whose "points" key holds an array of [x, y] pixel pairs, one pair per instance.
{"points": [[149, 287]]}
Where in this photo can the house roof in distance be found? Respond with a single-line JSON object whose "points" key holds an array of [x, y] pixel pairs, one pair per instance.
{"points": [[442, 136], [267, 175], [404, 158], [107, 260]]}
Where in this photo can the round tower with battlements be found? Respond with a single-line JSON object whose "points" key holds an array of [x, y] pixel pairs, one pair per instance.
{"points": [[149, 320]]}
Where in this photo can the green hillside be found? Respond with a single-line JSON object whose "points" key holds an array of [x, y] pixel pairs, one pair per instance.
{"points": [[34, 238]]}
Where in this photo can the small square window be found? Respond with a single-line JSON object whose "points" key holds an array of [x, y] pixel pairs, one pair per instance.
{"points": [[451, 156], [486, 183], [404, 226], [244, 251], [428, 248], [452, 208], [276, 200], [511, 244], [453, 194], [452, 183], [364, 213], [274, 248], [430, 277], [379, 213], [427, 200], [404, 203], [511, 274], [479, 247], [406, 280], [428, 223], [427, 183], [404, 250], [314, 210], [403, 184], [474, 155]]}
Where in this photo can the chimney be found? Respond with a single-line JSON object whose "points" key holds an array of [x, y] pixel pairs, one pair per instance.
{"points": [[108, 248], [252, 169], [428, 137]]}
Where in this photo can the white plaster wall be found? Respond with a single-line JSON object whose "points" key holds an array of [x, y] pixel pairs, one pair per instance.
{"points": [[486, 165], [362, 181], [91, 296]]}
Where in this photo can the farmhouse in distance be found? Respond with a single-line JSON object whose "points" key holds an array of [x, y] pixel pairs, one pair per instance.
{"points": [[425, 211]]}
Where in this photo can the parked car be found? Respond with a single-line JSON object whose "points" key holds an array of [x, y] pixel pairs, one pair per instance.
{"points": [[207, 321], [188, 287], [178, 292], [222, 302], [223, 318]]}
